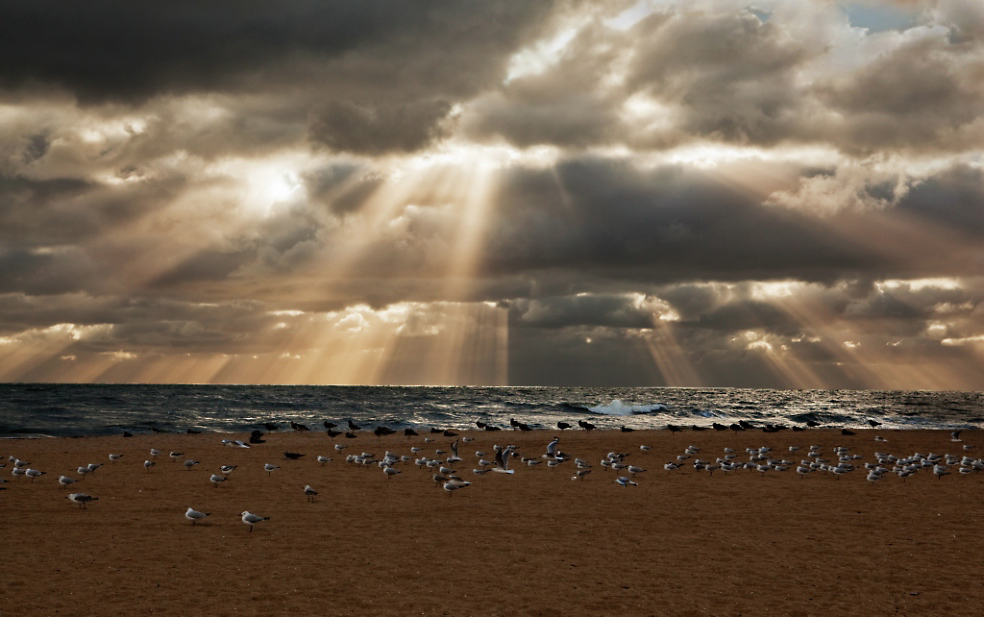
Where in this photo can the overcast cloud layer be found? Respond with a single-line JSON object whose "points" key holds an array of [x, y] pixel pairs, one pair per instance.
{"points": [[710, 193]]}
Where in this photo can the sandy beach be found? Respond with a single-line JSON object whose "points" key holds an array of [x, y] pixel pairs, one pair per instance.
{"points": [[534, 543]]}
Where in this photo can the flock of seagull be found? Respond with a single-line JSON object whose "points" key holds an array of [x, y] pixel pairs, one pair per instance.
{"points": [[447, 466]]}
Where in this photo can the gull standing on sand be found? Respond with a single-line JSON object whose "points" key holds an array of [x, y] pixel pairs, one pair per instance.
{"points": [[454, 484], [190, 463], [227, 469], [309, 492], [82, 499], [625, 481], [194, 515], [216, 479], [33, 473], [323, 460], [115, 457], [252, 519], [148, 464], [65, 480], [270, 467]]}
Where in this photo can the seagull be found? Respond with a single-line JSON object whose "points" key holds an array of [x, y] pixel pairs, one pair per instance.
{"points": [[453, 484], [580, 474], [82, 499], [33, 473], [148, 465], [390, 472], [190, 463], [94, 466], [194, 515], [270, 467], [645, 449], [625, 481], [323, 460], [292, 456], [502, 460], [83, 471], [308, 491], [175, 456], [227, 469], [115, 457], [154, 452], [216, 480], [955, 436], [65, 480], [552, 448], [252, 519]]}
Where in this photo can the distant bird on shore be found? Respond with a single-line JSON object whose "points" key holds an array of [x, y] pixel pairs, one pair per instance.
{"points": [[955, 436], [454, 484], [269, 426], [216, 479], [65, 480], [154, 452], [382, 431], [34, 473], [874, 423], [409, 432], [194, 515], [563, 426], [323, 460], [256, 437], [333, 434], [269, 467], [350, 435], [82, 499], [175, 456], [292, 456], [309, 492], [115, 457], [298, 427], [353, 426], [329, 424], [626, 429], [228, 469], [625, 481], [148, 464], [586, 425], [190, 463], [252, 519]]}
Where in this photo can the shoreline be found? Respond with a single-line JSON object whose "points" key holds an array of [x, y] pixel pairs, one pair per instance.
{"points": [[534, 543]]}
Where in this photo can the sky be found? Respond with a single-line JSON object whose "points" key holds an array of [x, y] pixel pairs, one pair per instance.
{"points": [[777, 194]]}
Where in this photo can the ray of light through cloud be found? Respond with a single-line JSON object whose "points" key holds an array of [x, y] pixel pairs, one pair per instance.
{"points": [[714, 193]]}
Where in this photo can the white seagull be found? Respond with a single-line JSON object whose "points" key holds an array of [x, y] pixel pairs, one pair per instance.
{"points": [[216, 479], [194, 516], [453, 484], [65, 480], [252, 519], [308, 491], [82, 499], [270, 467]]}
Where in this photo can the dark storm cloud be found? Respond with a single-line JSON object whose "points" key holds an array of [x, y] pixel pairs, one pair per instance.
{"points": [[732, 73], [591, 310], [379, 129], [661, 225], [111, 50]]}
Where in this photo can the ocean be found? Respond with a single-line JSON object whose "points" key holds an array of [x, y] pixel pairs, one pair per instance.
{"points": [[38, 410]]}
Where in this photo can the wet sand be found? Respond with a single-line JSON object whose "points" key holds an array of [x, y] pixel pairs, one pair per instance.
{"points": [[534, 543]]}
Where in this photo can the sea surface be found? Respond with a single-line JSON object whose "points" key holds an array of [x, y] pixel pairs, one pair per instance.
{"points": [[37, 410]]}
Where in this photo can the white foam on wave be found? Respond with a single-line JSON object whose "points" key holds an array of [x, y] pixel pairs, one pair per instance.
{"points": [[618, 408]]}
